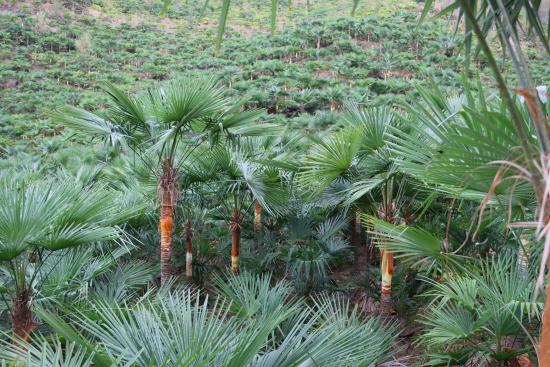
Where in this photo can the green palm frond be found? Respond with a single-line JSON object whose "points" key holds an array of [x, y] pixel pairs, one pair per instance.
{"points": [[328, 338], [372, 121], [459, 289], [452, 323], [44, 354], [91, 125], [174, 330], [179, 103], [423, 248], [251, 296], [54, 216], [330, 158]]}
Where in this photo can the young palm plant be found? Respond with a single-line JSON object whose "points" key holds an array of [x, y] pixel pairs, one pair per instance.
{"points": [[254, 324], [355, 167], [41, 218], [238, 182]]}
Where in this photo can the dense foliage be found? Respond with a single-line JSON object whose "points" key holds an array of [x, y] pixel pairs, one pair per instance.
{"points": [[52, 57], [348, 191]]}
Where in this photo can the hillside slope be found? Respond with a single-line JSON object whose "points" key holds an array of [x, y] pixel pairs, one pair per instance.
{"points": [[56, 53]]}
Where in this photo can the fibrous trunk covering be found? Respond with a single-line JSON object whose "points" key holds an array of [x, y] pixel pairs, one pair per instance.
{"points": [[235, 240], [189, 245], [523, 258], [257, 220], [168, 196], [387, 213], [21, 317]]}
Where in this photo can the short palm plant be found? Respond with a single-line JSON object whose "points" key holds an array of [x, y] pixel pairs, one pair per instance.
{"points": [[253, 324], [39, 219], [236, 182]]}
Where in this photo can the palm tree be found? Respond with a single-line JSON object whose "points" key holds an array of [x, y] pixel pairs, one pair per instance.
{"points": [[387, 63], [276, 92], [305, 80], [164, 127], [234, 178], [39, 219], [304, 97], [332, 95], [354, 168]]}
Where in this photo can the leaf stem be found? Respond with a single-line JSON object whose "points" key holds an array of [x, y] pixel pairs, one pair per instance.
{"points": [[503, 90]]}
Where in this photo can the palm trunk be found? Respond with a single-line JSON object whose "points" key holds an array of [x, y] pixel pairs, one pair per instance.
{"points": [[189, 246], [523, 258], [544, 353], [257, 220], [21, 317], [544, 350], [167, 181], [519, 343], [235, 240], [387, 274], [369, 246], [302, 108], [166, 225]]}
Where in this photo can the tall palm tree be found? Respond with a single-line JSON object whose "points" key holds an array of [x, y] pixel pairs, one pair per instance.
{"points": [[163, 126]]}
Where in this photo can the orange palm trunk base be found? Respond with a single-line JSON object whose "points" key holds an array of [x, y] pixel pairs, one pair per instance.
{"points": [[257, 216], [235, 248], [166, 225], [387, 274]]}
